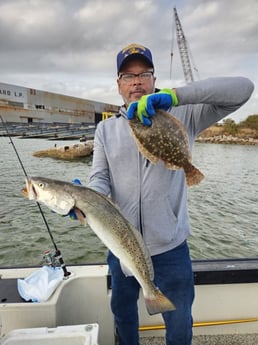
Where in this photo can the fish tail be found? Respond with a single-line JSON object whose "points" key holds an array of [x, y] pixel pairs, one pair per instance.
{"points": [[193, 176], [158, 303]]}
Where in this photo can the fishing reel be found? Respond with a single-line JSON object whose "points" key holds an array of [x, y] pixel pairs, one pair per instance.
{"points": [[55, 260], [51, 259]]}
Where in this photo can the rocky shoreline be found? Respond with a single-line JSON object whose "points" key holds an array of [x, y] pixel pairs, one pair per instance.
{"points": [[227, 139], [219, 135]]}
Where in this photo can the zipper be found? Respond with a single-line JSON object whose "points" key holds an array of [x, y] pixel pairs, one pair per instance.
{"points": [[140, 192], [142, 163]]}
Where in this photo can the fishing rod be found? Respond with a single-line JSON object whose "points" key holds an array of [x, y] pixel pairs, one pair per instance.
{"points": [[57, 255]]}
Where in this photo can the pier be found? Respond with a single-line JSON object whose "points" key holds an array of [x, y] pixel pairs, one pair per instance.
{"points": [[50, 131]]}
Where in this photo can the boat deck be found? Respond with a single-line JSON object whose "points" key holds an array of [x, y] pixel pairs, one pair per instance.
{"points": [[225, 339], [232, 284]]}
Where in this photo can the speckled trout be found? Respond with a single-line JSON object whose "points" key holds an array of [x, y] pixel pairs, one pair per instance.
{"points": [[109, 225], [166, 140]]}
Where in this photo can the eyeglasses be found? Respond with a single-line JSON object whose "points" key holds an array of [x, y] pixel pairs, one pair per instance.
{"points": [[129, 77]]}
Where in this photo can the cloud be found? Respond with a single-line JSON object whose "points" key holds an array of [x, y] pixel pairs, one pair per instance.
{"points": [[70, 46]]}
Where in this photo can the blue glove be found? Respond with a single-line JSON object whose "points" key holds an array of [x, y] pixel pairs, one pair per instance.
{"points": [[76, 181], [145, 107], [72, 214]]}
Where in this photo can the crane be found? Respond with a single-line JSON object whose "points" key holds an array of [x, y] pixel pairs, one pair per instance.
{"points": [[183, 50]]}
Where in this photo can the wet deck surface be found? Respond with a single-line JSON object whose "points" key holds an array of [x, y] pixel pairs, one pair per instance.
{"points": [[229, 339]]}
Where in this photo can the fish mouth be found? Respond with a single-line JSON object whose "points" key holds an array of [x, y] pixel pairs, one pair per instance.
{"points": [[29, 191]]}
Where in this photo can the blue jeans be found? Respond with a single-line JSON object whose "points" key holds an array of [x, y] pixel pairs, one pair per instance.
{"points": [[174, 277]]}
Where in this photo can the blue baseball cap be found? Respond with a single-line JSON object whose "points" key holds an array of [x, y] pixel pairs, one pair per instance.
{"points": [[132, 51]]}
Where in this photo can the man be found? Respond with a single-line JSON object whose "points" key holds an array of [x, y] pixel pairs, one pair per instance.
{"points": [[151, 197]]}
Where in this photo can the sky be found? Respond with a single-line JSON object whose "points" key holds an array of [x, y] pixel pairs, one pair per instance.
{"points": [[70, 46]]}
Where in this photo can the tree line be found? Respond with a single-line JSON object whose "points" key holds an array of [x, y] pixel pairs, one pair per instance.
{"points": [[231, 127]]}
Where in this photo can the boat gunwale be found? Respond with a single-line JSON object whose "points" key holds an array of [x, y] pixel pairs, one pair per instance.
{"points": [[206, 272]]}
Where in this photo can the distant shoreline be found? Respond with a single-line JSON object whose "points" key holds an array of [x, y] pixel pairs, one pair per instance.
{"points": [[219, 135], [227, 139]]}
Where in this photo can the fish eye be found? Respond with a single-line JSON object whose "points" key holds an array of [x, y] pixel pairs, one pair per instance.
{"points": [[41, 185]]}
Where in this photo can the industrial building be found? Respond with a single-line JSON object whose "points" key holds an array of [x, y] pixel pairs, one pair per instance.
{"points": [[27, 105]]}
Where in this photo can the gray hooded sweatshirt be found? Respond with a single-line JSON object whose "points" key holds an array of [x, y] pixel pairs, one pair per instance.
{"points": [[151, 197]]}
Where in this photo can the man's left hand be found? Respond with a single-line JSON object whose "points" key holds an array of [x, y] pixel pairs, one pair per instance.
{"points": [[145, 107]]}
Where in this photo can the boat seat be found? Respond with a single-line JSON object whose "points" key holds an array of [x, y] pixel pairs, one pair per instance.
{"points": [[9, 292]]}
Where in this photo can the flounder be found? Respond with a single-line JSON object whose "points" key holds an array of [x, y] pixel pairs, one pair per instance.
{"points": [[166, 140]]}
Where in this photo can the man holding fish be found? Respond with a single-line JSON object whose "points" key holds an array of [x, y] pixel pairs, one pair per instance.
{"points": [[142, 160], [152, 197]]}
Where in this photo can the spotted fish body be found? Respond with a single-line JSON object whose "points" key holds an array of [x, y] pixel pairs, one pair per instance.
{"points": [[166, 140], [109, 225]]}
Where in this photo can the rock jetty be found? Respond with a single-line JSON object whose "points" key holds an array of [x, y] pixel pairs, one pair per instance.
{"points": [[227, 139], [68, 152], [218, 135]]}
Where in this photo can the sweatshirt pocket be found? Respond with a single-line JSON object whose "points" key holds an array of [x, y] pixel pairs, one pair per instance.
{"points": [[159, 222]]}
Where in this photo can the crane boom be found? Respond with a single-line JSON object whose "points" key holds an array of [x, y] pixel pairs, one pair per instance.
{"points": [[183, 50]]}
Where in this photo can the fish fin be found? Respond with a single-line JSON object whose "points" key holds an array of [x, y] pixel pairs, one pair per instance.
{"points": [[158, 303], [145, 251], [153, 159], [171, 166], [125, 270], [193, 176], [80, 216]]}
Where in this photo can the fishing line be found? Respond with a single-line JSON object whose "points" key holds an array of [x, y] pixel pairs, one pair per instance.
{"points": [[57, 255]]}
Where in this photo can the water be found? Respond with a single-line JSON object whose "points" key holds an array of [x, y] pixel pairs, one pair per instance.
{"points": [[223, 208]]}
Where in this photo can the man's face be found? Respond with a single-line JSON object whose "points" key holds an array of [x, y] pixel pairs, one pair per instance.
{"points": [[133, 90]]}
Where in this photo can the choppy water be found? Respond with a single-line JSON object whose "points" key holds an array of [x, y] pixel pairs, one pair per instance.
{"points": [[223, 208]]}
